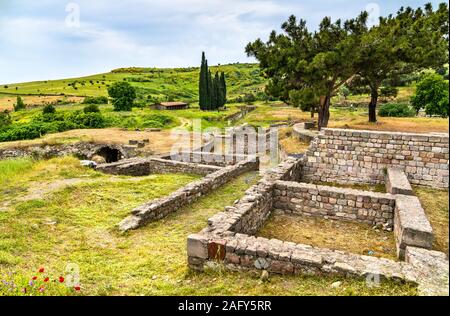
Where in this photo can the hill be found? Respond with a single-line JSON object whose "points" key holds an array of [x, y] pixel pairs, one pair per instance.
{"points": [[152, 84]]}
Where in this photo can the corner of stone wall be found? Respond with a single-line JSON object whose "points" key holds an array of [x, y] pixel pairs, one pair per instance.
{"points": [[411, 225]]}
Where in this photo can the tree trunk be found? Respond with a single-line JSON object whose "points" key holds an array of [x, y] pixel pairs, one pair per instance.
{"points": [[312, 112], [324, 111], [373, 105]]}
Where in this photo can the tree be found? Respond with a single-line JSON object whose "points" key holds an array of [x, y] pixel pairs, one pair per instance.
{"points": [[5, 119], [298, 59], [410, 41], [203, 84], [123, 95], [223, 86], [49, 109], [20, 105], [304, 99], [212, 90], [432, 94]]}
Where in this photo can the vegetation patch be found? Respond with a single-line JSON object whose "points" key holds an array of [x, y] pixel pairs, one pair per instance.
{"points": [[356, 238], [435, 203]]}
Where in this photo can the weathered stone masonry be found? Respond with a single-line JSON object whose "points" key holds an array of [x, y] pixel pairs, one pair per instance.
{"points": [[228, 236], [213, 178], [334, 203], [351, 156]]}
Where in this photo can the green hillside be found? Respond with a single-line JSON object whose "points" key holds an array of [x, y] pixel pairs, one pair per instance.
{"points": [[151, 83]]}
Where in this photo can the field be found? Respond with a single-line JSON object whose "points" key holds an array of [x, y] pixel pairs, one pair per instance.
{"points": [[151, 83], [68, 225]]}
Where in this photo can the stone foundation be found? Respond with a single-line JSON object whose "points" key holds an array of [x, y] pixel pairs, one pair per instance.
{"points": [[229, 237], [147, 166], [334, 203], [352, 156], [160, 208]]}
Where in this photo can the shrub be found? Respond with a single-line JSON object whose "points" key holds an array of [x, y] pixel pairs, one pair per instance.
{"points": [[20, 105], [95, 100], [123, 95], [5, 119], [88, 120], [432, 94], [396, 110], [91, 108], [388, 92], [49, 109]]}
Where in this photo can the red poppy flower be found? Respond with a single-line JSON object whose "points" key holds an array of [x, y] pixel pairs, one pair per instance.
{"points": [[35, 277], [61, 279], [77, 288], [46, 279], [41, 270]]}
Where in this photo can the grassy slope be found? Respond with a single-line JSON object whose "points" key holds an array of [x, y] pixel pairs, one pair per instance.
{"points": [[346, 118], [149, 261], [180, 83]]}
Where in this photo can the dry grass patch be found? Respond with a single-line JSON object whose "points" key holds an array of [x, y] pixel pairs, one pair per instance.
{"points": [[160, 142], [381, 188], [394, 124], [337, 235], [290, 144], [435, 203]]}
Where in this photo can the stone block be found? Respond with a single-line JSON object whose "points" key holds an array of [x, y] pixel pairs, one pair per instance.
{"points": [[411, 226], [197, 246], [397, 182]]}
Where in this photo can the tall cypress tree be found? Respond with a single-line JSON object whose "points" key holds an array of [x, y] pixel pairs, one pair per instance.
{"points": [[223, 86], [203, 84], [210, 93], [217, 92]]}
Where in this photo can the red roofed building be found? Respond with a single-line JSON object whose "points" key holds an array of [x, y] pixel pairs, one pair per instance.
{"points": [[172, 106]]}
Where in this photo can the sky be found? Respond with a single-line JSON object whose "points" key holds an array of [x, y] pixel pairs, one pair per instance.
{"points": [[54, 39]]}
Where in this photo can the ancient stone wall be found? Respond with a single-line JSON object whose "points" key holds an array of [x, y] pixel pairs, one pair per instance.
{"points": [[209, 158], [146, 166], [45, 151], [352, 156], [160, 208], [334, 203]]}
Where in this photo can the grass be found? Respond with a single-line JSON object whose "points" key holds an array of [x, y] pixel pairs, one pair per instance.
{"points": [[291, 144], [435, 203], [381, 188], [77, 225], [179, 83], [337, 235], [344, 117]]}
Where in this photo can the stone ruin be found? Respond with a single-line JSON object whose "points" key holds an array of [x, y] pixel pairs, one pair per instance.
{"points": [[346, 157]]}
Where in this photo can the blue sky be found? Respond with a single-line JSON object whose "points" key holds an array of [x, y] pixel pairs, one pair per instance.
{"points": [[43, 39]]}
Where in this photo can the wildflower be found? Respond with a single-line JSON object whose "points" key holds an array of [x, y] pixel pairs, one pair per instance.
{"points": [[41, 270], [31, 283], [34, 278], [77, 288], [61, 279], [46, 279], [41, 289]]}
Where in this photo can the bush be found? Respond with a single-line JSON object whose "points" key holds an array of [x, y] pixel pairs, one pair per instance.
{"points": [[123, 95], [49, 109], [5, 119], [91, 108], [95, 100], [432, 94], [20, 105], [388, 92], [396, 110], [88, 120]]}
